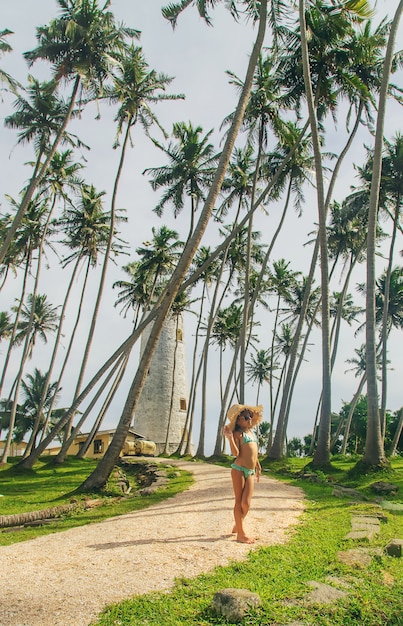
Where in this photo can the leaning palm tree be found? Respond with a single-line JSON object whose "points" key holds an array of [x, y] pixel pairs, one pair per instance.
{"points": [[135, 88], [89, 233], [164, 304], [82, 45]]}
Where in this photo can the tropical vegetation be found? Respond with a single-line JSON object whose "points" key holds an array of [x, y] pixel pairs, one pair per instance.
{"points": [[312, 65]]}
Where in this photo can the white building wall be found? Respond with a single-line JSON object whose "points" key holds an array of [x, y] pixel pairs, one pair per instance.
{"points": [[152, 418]]}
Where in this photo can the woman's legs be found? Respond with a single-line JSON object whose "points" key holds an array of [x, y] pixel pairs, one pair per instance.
{"points": [[243, 490]]}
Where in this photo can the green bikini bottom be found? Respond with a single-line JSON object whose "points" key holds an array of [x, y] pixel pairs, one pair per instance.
{"points": [[246, 471]]}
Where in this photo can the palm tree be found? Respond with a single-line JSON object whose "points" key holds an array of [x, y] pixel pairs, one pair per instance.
{"points": [[61, 181], [374, 454], [5, 326], [315, 68], [192, 164], [238, 184], [392, 191], [44, 321], [103, 470], [134, 88], [159, 258], [225, 332], [38, 319], [388, 303], [135, 292], [259, 369], [5, 47], [281, 278], [261, 113], [28, 240], [172, 11], [325, 33], [88, 232], [82, 45], [210, 275], [34, 407]]}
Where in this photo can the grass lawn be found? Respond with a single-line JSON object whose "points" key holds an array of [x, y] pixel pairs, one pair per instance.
{"points": [[49, 486], [279, 574]]}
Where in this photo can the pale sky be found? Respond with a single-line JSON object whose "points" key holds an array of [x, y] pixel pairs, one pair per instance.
{"points": [[197, 56]]}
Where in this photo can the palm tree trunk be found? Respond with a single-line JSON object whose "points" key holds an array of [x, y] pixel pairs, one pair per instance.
{"points": [[193, 382], [97, 423], [353, 404], [39, 415], [166, 445], [322, 454], [385, 315], [123, 348], [396, 436], [16, 320], [103, 273], [60, 457], [374, 454]]}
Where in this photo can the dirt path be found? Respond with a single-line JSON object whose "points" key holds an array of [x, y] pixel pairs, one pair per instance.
{"points": [[65, 579]]}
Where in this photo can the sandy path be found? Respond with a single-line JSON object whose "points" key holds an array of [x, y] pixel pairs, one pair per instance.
{"points": [[65, 579]]}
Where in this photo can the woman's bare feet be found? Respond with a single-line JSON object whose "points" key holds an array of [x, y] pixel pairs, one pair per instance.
{"points": [[234, 530], [244, 539]]}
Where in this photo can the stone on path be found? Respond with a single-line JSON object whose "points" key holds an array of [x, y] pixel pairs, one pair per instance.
{"points": [[395, 548], [384, 487], [233, 604], [364, 527], [323, 594], [356, 557]]}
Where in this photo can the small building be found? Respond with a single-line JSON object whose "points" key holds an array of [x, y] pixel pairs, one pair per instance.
{"points": [[135, 444], [102, 441], [16, 449]]}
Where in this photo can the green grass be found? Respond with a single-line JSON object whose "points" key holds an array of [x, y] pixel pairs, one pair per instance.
{"points": [[49, 486], [279, 574]]}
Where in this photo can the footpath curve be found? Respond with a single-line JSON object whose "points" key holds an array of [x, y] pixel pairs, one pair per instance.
{"points": [[67, 578]]}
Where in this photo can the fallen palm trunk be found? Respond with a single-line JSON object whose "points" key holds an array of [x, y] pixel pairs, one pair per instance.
{"points": [[19, 519]]}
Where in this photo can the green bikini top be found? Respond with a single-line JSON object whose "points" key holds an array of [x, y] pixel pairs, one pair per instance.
{"points": [[248, 438]]}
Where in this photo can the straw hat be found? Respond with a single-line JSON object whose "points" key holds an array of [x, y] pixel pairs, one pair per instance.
{"points": [[236, 409]]}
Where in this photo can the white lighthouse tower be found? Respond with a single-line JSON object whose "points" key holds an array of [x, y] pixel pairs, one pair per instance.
{"points": [[162, 408]]}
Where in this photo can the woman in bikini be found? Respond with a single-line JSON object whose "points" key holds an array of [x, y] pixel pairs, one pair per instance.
{"points": [[244, 446]]}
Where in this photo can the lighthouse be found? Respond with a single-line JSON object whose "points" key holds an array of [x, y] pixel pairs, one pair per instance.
{"points": [[162, 408]]}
